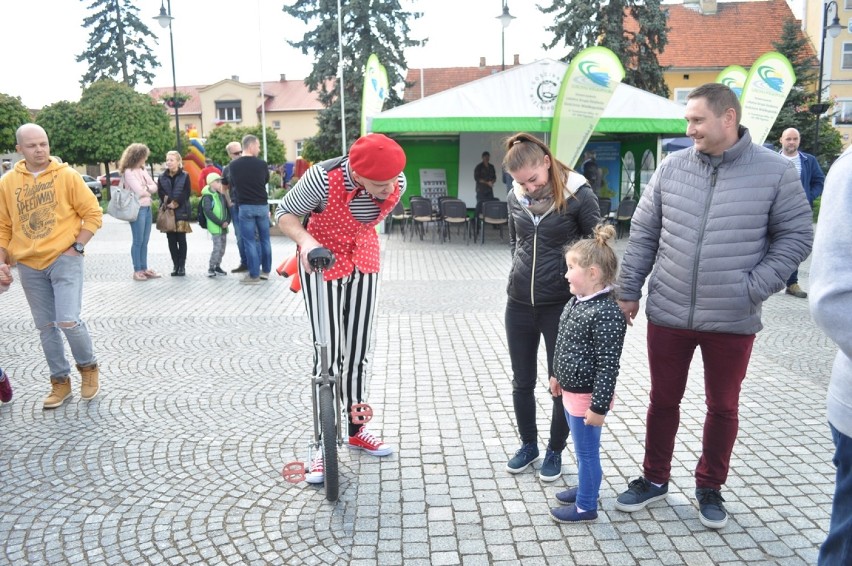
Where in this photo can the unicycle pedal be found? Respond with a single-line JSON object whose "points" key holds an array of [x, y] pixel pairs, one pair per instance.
{"points": [[294, 472], [361, 413]]}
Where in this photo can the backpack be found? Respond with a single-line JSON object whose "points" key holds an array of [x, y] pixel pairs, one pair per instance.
{"points": [[202, 219]]}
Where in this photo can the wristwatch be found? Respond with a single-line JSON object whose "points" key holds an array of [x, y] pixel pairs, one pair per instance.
{"points": [[78, 247]]}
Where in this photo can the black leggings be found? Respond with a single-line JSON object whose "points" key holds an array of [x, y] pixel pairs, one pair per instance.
{"points": [[177, 248], [525, 325]]}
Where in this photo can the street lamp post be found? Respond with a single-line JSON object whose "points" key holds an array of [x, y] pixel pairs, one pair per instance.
{"points": [[165, 20], [505, 19], [833, 30]]}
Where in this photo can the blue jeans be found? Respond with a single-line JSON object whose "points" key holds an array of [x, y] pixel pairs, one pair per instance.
{"points": [[55, 296], [140, 229], [235, 224], [255, 218], [837, 548], [587, 450]]}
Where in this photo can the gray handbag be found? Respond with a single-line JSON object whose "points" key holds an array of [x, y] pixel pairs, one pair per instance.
{"points": [[123, 202]]}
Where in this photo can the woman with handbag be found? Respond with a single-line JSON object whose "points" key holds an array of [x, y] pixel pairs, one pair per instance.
{"points": [[136, 178], [174, 190]]}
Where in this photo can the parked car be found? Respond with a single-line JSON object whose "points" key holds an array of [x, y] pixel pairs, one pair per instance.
{"points": [[114, 177], [93, 184]]}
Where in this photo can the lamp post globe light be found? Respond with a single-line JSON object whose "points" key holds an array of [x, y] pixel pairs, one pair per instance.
{"points": [[833, 30], [164, 18], [505, 19]]}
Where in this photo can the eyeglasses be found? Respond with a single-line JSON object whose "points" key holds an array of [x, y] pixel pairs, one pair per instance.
{"points": [[236, 153]]}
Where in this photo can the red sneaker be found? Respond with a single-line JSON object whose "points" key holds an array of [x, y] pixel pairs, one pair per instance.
{"points": [[369, 443], [316, 473], [5, 387]]}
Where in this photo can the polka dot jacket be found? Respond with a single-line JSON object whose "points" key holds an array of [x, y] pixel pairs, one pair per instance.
{"points": [[588, 348]]}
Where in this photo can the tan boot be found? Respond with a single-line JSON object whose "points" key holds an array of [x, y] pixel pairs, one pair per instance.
{"points": [[796, 291], [90, 386], [60, 392]]}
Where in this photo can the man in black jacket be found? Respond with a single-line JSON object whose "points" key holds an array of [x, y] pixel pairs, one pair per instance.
{"points": [[251, 174]]}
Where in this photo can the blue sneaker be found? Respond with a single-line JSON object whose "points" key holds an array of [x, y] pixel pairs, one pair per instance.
{"points": [[522, 459], [571, 515], [711, 511], [640, 492], [551, 468], [567, 497]]}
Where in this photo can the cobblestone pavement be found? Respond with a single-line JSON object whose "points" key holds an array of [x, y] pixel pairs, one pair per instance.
{"points": [[205, 396]]}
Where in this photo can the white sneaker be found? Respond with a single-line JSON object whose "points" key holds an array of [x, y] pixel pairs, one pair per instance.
{"points": [[316, 471]]}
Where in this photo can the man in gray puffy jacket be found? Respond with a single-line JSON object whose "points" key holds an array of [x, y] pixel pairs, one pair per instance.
{"points": [[831, 307], [719, 228]]}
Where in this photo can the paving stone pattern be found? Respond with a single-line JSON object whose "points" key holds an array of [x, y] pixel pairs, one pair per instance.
{"points": [[205, 397]]}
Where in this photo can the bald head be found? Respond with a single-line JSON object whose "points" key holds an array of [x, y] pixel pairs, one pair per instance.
{"points": [[32, 143], [790, 142]]}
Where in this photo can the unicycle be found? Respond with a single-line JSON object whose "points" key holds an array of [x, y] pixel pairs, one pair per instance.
{"points": [[326, 396]]}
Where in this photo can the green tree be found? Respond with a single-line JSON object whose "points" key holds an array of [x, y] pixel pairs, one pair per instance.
{"points": [[377, 26], [109, 117], [221, 136], [579, 24], [13, 114], [796, 110], [61, 122], [118, 44]]}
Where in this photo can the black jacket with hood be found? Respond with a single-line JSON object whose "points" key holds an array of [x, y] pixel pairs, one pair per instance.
{"points": [[538, 269]]}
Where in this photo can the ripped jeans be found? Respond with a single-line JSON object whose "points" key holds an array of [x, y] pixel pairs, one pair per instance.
{"points": [[55, 296]]}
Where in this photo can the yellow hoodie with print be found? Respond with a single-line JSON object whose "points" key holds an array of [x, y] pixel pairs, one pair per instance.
{"points": [[40, 217]]}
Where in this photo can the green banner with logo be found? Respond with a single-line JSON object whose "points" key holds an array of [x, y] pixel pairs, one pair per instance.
{"points": [[587, 87], [769, 81], [375, 91], [734, 77]]}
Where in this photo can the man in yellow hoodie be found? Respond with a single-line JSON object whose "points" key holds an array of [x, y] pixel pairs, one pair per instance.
{"points": [[47, 216]]}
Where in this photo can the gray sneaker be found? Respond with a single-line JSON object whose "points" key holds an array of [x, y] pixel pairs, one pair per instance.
{"points": [[522, 459], [250, 280], [711, 511], [640, 492]]}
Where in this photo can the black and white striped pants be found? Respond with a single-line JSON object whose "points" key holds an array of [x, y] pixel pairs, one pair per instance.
{"points": [[349, 307]]}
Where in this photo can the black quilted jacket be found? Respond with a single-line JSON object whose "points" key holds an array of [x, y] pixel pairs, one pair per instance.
{"points": [[538, 269]]}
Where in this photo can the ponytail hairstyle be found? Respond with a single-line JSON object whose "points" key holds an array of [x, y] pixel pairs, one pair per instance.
{"points": [[526, 150], [596, 250]]}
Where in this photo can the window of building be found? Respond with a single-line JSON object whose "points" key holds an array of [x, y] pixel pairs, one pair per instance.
{"points": [[300, 144], [846, 61], [843, 112], [276, 124], [628, 174], [229, 110], [648, 168], [848, 4], [680, 95]]}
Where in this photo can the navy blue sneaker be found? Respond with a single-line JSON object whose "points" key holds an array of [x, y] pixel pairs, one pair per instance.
{"points": [[522, 459], [551, 468], [640, 492], [570, 514], [711, 511], [567, 497]]}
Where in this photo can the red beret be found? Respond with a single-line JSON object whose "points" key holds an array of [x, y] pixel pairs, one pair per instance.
{"points": [[376, 157]]}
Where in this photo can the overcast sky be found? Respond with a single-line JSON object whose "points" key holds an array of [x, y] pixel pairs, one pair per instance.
{"points": [[215, 39]]}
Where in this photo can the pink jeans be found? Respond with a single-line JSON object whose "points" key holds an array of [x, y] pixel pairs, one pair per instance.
{"points": [[726, 358]]}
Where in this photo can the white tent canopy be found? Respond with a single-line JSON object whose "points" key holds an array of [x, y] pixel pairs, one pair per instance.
{"points": [[522, 99]]}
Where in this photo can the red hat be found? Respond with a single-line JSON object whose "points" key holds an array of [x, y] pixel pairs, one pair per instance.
{"points": [[376, 157]]}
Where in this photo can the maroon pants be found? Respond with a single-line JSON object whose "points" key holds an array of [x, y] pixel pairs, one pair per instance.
{"points": [[726, 358]]}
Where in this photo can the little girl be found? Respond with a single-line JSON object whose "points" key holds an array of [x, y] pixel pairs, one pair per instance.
{"points": [[586, 362]]}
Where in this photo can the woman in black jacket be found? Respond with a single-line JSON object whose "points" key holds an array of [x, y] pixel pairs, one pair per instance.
{"points": [[174, 190], [550, 206]]}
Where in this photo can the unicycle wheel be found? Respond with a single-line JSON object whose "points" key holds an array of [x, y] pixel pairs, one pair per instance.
{"points": [[329, 441]]}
